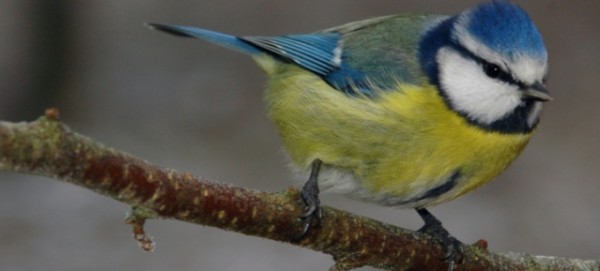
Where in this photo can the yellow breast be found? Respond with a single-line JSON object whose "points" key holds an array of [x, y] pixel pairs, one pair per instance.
{"points": [[403, 147]]}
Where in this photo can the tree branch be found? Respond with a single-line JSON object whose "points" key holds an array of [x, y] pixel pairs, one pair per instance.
{"points": [[49, 148]]}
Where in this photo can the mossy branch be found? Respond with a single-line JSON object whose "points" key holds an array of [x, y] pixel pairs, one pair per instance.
{"points": [[47, 147]]}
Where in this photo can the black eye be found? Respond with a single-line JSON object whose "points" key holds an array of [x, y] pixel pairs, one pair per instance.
{"points": [[492, 70]]}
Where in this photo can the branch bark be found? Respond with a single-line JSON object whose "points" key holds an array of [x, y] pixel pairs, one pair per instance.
{"points": [[48, 147]]}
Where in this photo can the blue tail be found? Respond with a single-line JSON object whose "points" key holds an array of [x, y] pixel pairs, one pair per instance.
{"points": [[314, 52], [320, 53], [225, 40]]}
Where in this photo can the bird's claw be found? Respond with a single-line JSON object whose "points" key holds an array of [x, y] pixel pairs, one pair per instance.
{"points": [[454, 251], [310, 196], [453, 248]]}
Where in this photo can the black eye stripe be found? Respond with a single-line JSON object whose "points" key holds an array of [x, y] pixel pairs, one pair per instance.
{"points": [[485, 65], [500, 74]]}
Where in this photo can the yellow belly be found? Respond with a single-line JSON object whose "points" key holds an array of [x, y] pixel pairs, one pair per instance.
{"points": [[398, 147]]}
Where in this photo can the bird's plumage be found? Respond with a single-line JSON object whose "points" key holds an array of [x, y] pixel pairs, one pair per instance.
{"points": [[314, 52], [504, 28], [413, 145], [356, 58], [407, 110]]}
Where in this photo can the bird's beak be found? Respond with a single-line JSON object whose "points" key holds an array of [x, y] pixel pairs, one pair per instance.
{"points": [[537, 92]]}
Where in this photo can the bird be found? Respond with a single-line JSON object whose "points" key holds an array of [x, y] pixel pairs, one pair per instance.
{"points": [[408, 110]]}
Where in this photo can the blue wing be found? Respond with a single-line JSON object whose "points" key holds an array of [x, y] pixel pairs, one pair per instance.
{"points": [[355, 58], [315, 53], [320, 53]]}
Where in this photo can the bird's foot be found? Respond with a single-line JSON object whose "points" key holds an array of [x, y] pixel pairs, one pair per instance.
{"points": [[314, 211], [433, 227], [310, 196]]}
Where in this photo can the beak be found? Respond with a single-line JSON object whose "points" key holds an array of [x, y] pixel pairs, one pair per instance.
{"points": [[537, 92]]}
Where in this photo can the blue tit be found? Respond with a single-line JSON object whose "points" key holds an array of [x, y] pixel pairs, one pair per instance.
{"points": [[404, 110]]}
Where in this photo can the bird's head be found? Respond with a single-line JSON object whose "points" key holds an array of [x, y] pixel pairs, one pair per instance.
{"points": [[493, 65]]}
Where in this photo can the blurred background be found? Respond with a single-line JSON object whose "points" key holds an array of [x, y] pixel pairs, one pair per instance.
{"points": [[196, 107]]}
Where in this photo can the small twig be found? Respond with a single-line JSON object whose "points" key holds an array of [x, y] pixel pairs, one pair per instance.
{"points": [[136, 219], [47, 147]]}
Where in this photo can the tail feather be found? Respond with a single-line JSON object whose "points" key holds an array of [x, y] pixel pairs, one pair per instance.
{"points": [[222, 39]]}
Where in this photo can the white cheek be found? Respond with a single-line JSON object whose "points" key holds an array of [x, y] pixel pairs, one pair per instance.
{"points": [[471, 91]]}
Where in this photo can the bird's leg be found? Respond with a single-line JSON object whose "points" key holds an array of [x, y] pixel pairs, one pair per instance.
{"points": [[310, 196], [433, 227]]}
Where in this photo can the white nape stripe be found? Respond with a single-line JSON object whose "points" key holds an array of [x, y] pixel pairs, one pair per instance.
{"points": [[471, 91], [461, 34]]}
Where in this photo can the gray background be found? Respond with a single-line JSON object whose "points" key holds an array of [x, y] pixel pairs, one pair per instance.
{"points": [[196, 107]]}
